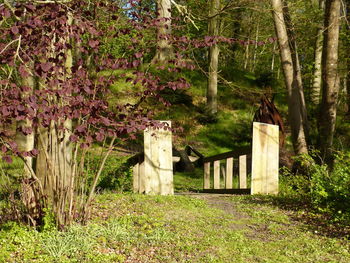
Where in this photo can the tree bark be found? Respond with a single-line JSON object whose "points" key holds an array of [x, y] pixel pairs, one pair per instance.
{"points": [[296, 66], [255, 47], [213, 30], [317, 74], [273, 57], [164, 51], [347, 43], [54, 162], [25, 143], [330, 78], [296, 103]]}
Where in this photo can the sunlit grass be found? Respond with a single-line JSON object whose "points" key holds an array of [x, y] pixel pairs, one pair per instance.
{"points": [[175, 229]]}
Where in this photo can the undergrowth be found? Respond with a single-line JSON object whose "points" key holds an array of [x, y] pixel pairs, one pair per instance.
{"points": [[137, 228]]}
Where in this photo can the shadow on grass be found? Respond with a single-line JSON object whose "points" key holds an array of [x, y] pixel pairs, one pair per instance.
{"points": [[300, 210]]}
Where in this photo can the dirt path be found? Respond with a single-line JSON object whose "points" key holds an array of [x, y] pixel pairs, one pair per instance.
{"points": [[256, 230], [220, 201]]}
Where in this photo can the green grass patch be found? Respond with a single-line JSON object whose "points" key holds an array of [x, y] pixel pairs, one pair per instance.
{"points": [[128, 228]]}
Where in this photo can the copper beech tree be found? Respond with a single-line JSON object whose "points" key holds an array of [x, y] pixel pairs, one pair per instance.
{"points": [[53, 103]]}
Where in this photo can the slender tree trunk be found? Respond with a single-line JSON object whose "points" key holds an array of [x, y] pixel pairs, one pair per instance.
{"points": [[273, 57], [348, 59], [255, 47], [348, 89], [164, 51], [54, 162], [295, 93], [317, 74], [247, 47], [236, 28], [26, 143], [330, 78], [296, 66], [213, 30], [246, 57]]}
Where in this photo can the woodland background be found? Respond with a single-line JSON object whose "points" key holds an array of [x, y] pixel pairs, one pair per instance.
{"points": [[81, 80]]}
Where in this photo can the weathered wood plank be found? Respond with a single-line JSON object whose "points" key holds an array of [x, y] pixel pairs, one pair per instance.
{"points": [[206, 176], [217, 175], [243, 171], [235, 154], [158, 161], [265, 157], [229, 173]]}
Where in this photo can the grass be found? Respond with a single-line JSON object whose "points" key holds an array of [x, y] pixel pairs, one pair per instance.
{"points": [[137, 228], [189, 182]]}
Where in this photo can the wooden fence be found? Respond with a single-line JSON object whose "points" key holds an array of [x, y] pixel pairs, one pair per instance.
{"points": [[223, 166], [153, 171], [263, 160]]}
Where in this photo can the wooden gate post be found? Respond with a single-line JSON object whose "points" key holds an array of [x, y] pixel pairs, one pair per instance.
{"points": [[265, 158], [158, 170]]}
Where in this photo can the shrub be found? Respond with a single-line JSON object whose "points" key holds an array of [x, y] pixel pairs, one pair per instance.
{"points": [[330, 190], [327, 190], [116, 175]]}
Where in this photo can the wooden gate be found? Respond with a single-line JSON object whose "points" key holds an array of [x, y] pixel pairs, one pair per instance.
{"points": [[229, 172], [261, 162]]}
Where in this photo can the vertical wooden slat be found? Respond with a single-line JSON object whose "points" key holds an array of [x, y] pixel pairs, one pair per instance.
{"points": [[135, 172], [243, 171], [223, 173], [207, 175], [229, 173], [216, 174]]}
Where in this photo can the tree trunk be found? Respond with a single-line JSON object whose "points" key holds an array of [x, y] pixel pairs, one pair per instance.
{"points": [[348, 89], [273, 57], [296, 66], [296, 104], [26, 142], [347, 43], [330, 78], [54, 162], [255, 47], [317, 74], [164, 51], [213, 30], [30, 199]]}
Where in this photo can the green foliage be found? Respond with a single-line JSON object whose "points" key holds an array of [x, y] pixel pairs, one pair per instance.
{"points": [[139, 228], [17, 241], [63, 245], [116, 174], [232, 129], [326, 189], [330, 190], [49, 223]]}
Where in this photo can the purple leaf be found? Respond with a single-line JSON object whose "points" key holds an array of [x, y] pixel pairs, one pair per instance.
{"points": [[93, 43], [73, 138], [14, 30], [7, 159], [138, 54], [3, 148], [34, 152], [46, 66], [99, 137], [23, 71]]}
